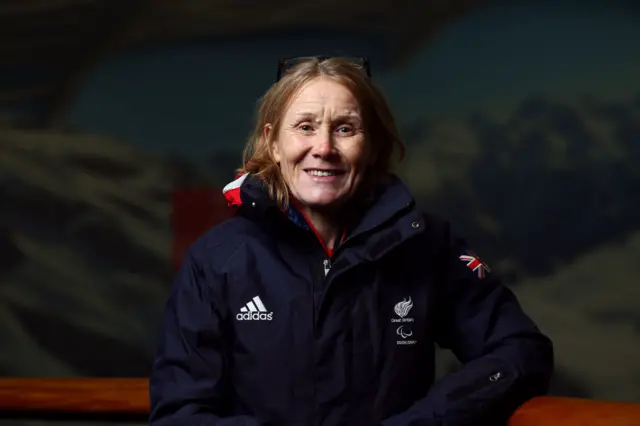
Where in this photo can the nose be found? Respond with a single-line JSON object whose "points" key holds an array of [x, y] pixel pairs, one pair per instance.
{"points": [[323, 145]]}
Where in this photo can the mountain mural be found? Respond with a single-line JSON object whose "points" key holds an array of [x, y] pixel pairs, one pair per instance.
{"points": [[548, 184], [548, 196], [86, 251]]}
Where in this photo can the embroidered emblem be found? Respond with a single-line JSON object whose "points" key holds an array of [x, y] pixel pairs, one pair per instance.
{"points": [[474, 263], [402, 308]]}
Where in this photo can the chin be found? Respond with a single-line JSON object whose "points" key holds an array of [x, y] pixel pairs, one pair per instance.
{"points": [[322, 203]]}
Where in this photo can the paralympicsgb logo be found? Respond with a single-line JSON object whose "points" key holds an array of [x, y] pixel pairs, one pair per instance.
{"points": [[402, 310]]}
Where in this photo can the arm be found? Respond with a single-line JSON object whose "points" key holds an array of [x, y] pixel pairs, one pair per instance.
{"points": [[188, 384], [506, 360]]}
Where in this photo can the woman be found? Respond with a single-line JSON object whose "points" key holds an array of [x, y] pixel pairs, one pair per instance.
{"points": [[321, 301]]}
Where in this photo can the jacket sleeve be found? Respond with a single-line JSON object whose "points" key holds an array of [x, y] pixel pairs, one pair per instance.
{"points": [[189, 383], [505, 359]]}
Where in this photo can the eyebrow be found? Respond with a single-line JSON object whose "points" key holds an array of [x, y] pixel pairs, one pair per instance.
{"points": [[313, 116]]}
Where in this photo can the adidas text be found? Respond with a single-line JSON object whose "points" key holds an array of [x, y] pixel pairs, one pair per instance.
{"points": [[254, 311], [253, 316]]}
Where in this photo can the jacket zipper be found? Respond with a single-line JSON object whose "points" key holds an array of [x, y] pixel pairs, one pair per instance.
{"points": [[327, 266]]}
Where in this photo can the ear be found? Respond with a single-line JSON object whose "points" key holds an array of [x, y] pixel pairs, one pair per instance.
{"points": [[273, 145]]}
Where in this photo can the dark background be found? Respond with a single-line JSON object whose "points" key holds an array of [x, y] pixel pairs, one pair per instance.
{"points": [[522, 121]]}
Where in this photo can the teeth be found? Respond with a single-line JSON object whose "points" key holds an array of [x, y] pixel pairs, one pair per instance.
{"points": [[321, 173]]}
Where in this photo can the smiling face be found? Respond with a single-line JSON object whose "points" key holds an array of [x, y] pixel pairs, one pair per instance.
{"points": [[321, 147]]}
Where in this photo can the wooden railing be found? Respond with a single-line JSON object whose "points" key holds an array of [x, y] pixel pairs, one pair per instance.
{"points": [[128, 400], [75, 398]]}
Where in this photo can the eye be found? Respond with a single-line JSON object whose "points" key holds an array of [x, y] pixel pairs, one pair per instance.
{"points": [[345, 130], [305, 128]]}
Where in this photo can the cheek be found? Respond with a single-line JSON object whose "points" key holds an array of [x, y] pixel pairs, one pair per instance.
{"points": [[292, 151], [357, 155]]}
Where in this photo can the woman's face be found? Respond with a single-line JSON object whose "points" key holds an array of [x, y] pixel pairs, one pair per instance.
{"points": [[321, 146]]}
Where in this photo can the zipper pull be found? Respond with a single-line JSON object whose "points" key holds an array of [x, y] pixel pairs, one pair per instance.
{"points": [[327, 266]]}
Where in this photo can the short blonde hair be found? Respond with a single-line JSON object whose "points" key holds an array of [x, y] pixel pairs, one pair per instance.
{"points": [[380, 126]]}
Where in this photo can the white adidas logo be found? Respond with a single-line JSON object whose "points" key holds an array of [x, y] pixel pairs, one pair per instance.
{"points": [[254, 311]]}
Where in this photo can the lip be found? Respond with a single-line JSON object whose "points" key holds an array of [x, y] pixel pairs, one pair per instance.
{"points": [[325, 169], [338, 174]]}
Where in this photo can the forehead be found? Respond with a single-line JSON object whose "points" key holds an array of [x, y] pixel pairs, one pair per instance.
{"points": [[322, 93]]}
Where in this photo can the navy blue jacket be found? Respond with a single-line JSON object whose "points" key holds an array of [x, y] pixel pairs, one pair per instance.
{"points": [[262, 327]]}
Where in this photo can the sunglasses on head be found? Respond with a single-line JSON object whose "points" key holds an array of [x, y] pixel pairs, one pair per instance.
{"points": [[288, 63]]}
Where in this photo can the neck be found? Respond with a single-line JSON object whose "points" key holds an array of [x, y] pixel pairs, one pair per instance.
{"points": [[326, 225]]}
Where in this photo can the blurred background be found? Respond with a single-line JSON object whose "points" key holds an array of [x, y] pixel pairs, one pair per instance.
{"points": [[118, 119]]}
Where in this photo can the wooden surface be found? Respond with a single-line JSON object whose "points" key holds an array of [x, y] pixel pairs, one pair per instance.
{"points": [[41, 398], [551, 411], [75, 396]]}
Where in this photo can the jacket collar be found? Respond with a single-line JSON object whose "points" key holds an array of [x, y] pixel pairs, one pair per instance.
{"points": [[248, 194]]}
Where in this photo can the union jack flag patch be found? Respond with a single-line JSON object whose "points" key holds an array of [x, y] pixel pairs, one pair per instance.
{"points": [[475, 264]]}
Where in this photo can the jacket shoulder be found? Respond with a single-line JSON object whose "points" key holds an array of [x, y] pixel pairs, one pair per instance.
{"points": [[437, 229], [217, 246]]}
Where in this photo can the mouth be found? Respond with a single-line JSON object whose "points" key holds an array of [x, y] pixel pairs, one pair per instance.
{"points": [[324, 172]]}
